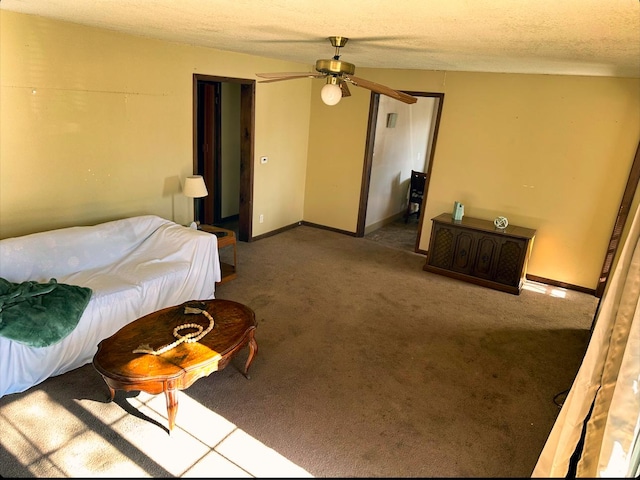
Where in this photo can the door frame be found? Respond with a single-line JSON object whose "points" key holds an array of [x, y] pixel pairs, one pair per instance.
{"points": [[623, 212], [247, 140], [374, 105]]}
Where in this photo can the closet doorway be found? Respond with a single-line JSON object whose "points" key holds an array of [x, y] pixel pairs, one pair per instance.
{"points": [[400, 138], [223, 139]]}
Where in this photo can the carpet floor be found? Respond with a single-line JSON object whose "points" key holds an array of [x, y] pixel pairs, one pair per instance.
{"points": [[367, 366]]}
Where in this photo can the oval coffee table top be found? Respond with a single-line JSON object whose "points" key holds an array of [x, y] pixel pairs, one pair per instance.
{"points": [[115, 358]]}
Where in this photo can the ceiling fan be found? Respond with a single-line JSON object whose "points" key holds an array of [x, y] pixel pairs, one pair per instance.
{"points": [[338, 74]]}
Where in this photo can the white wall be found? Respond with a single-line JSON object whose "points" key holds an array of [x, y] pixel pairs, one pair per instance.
{"points": [[396, 152]]}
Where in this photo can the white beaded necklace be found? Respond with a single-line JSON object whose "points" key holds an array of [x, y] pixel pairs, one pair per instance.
{"points": [[190, 337]]}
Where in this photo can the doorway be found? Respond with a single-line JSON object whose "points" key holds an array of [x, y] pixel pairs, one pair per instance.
{"points": [[400, 138], [223, 139]]}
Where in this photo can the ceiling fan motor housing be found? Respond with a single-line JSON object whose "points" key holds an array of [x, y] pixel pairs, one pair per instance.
{"points": [[338, 41], [335, 67]]}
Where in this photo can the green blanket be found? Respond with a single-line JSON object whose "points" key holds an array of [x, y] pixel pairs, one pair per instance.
{"points": [[40, 314]]}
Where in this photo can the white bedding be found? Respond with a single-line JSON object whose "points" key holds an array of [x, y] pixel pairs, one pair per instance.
{"points": [[134, 266]]}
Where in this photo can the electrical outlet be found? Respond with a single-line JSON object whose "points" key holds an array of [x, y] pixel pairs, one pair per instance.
{"points": [[264, 160], [261, 218]]}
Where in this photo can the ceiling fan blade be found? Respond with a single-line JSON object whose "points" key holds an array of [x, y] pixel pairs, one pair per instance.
{"points": [[286, 78], [276, 77], [382, 89], [345, 89], [286, 74]]}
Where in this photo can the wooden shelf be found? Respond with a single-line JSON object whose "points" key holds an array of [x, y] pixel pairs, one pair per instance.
{"points": [[228, 272]]}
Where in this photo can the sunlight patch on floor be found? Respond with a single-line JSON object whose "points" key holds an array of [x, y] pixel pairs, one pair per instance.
{"points": [[54, 441], [544, 289]]}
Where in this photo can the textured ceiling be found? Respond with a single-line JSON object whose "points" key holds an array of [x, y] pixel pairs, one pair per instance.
{"points": [[568, 37]]}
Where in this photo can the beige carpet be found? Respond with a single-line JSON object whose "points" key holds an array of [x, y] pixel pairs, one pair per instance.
{"points": [[367, 367]]}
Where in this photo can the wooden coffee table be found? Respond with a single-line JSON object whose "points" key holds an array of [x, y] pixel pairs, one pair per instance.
{"points": [[179, 367]]}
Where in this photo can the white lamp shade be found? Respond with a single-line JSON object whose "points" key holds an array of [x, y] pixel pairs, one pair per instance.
{"points": [[331, 94], [194, 187]]}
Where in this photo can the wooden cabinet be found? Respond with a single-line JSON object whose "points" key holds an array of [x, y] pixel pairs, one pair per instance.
{"points": [[476, 251]]}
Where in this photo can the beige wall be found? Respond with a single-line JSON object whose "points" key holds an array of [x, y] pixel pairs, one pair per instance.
{"points": [[230, 146], [551, 153], [97, 125]]}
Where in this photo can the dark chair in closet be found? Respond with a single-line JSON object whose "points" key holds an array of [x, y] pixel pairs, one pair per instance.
{"points": [[416, 193]]}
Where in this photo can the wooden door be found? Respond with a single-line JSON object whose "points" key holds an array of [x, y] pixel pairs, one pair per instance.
{"points": [[211, 152]]}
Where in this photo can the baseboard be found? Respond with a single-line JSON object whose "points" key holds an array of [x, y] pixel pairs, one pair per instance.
{"points": [[533, 278], [331, 229], [297, 224], [555, 283], [276, 231]]}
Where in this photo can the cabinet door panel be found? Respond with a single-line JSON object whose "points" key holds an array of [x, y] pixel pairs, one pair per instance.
{"points": [[463, 252], [485, 257], [509, 266], [441, 249]]}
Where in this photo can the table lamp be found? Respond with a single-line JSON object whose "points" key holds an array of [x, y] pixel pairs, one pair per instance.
{"points": [[194, 187]]}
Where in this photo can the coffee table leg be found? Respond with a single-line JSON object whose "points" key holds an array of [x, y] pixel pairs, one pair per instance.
{"points": [[253, 349], [112, 391], [172, 406]]}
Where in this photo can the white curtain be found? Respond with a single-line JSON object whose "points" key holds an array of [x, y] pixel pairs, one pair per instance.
{"points": [[608, 380]]}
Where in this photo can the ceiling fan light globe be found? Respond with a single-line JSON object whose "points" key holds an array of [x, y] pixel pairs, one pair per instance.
{"points": [[331, 94]]}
